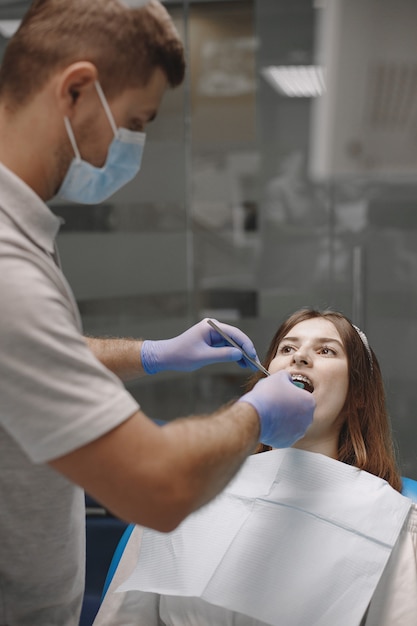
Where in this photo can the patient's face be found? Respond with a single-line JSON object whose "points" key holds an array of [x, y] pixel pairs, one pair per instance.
{"points": [[313, 352]]}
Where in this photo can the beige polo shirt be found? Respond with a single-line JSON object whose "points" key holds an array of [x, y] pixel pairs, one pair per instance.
{"points": [[55, 396]]}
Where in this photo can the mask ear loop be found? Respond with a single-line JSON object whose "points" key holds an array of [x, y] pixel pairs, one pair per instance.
{"points": [[71, 137], [106, 107]]}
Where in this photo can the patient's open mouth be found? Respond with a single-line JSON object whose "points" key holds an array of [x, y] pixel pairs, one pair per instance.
{"points": [[303, 382]]}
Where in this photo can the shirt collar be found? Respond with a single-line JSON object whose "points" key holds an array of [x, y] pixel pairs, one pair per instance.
{"points": [[26, 209]]}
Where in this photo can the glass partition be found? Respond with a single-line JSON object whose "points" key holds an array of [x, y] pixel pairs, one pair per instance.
{"points": [[225, 221]]}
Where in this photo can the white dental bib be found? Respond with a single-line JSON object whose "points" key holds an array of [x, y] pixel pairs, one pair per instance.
{"points": [[296, 538]]}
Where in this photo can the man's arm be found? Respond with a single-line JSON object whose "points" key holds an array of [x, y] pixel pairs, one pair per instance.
{"points": [[121, 356], [155, 476], [198, 346]]}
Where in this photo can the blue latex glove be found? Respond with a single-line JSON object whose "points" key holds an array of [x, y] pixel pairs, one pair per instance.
{"points": [[198, 346], [285, 411]]}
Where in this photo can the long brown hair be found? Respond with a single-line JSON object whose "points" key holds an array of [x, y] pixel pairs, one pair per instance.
{"points": [[365, 439]]}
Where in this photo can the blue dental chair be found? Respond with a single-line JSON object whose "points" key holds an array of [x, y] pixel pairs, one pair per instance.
{"points": [[106, 538], [103, 536], [409, 488]]}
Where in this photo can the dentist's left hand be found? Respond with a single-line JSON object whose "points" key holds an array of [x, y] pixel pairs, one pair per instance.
{"points": [[198, 346]]}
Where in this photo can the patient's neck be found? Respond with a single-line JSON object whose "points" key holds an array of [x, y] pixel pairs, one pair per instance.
{"points": [[328, 447]]}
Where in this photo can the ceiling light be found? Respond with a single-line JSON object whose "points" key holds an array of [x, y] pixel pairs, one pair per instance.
{"points": [[295, 81], [8, 27]]}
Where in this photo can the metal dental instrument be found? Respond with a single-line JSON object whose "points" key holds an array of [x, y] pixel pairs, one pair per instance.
{"points": [[235, 345]]}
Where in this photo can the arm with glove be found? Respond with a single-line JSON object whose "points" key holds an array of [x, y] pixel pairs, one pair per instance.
{"points": [[156, 476], [197, 347]]}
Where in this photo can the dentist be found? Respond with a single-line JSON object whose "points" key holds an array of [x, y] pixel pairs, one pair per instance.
{"points": [[79, 82]]}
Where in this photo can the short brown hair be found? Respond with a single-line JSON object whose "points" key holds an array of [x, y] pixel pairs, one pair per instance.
{"points": [[365, 439], [125, 44]]}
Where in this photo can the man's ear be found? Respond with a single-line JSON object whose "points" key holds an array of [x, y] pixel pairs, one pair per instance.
{"points": [[73, 84]]}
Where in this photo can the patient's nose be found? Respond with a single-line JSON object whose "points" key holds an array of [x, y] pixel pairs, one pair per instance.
{"points": [[300, 357]]}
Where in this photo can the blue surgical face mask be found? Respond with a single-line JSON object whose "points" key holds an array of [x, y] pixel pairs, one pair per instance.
{"points": [[87, 184]]}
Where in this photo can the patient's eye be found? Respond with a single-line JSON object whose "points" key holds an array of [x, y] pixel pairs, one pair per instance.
{"points": [[328, 351], [286, 349]]}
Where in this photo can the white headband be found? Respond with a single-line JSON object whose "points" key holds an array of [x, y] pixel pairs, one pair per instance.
{"points": [[365, 342]]}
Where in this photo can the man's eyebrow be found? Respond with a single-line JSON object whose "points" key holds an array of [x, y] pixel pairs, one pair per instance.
{"points": [[138, 122]]}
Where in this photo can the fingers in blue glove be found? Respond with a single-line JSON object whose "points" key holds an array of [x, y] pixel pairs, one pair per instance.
{"points": [[198, 346], [229, 335], [285, 411]]}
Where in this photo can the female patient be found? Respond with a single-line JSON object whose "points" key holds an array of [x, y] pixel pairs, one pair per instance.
{"points": [[331, 358]]}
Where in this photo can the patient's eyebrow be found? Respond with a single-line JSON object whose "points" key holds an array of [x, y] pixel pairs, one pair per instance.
{"points": [[315, 340]]}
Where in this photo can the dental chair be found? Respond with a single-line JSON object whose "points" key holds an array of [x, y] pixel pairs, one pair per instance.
{"points": [[106, 537], [409, 488], [103, 536]]}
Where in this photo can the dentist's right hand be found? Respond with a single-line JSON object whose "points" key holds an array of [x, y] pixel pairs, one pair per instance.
{"points": [[285, 411]]}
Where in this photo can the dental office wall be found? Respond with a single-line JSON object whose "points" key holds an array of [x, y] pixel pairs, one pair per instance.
{"points": [[225, 221]]}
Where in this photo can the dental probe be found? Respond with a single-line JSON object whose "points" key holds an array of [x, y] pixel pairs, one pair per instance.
{"points": [[235, 345]]}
